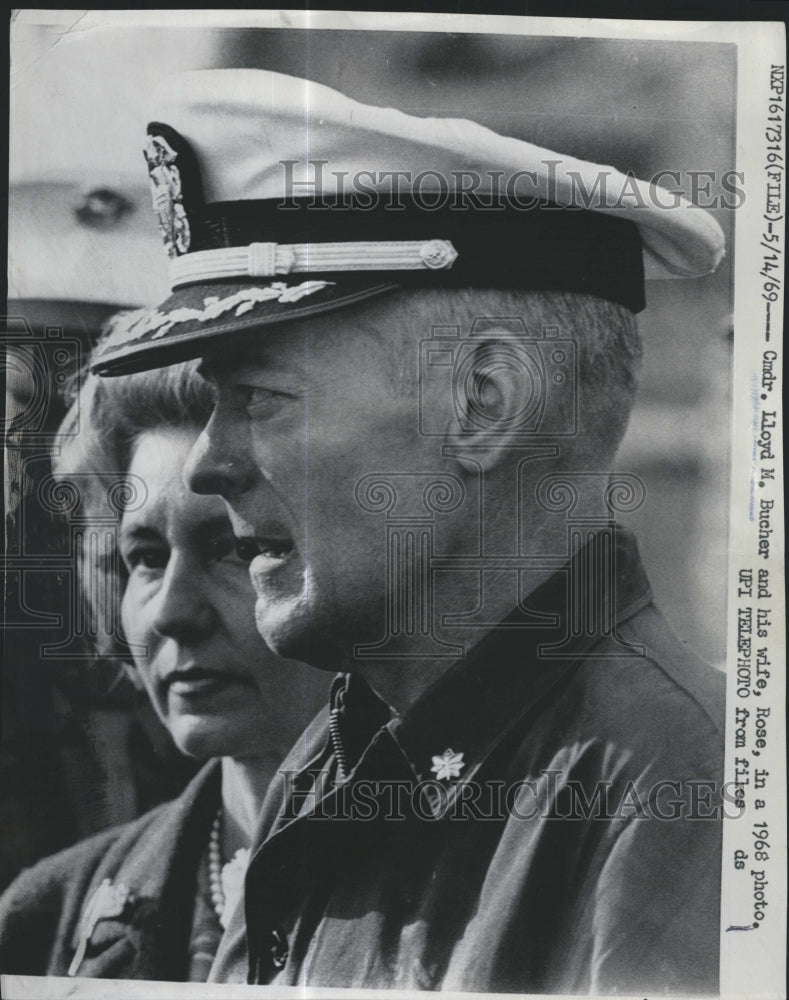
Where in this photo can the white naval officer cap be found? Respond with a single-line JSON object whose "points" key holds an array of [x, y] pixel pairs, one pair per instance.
{"points": [[279, 198], [79, 249]]}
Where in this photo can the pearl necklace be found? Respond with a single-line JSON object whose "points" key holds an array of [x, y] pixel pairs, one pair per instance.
{"points": [[225, 881]]}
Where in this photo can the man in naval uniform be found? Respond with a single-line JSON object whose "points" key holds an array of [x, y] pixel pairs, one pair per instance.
{"points": [[424, 354]]}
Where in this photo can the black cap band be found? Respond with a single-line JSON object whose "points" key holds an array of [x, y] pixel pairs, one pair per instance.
{"points": [[548, 247]]}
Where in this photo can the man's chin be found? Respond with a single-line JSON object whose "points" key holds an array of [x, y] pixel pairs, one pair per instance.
{"points": [[295, 632]]}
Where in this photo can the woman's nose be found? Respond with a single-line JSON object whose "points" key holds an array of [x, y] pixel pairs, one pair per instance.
{"points": [[219, 462], [183, 609]]}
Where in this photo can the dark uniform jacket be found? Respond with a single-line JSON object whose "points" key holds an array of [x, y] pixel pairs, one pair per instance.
{"points": [[155, 857], [532, 824]]}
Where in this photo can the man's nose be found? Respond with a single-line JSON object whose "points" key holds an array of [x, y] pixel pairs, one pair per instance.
{"points": [[182, 608], [219, 462]]}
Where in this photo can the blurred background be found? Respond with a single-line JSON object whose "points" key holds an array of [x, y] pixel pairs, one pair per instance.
{"points": [[79, 749]]}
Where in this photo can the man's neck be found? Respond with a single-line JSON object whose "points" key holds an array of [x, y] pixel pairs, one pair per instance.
{"points": [[400, 684], [402, 679], [408, 671]]}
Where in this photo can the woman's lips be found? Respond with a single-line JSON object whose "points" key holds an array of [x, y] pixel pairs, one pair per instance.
{"points": [[198, 681]]}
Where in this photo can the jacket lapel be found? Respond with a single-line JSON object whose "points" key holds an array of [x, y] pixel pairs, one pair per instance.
{"points": [[147, 937]]}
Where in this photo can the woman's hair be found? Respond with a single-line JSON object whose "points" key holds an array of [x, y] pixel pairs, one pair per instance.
{"points": [[90, 460], [108, 415]]}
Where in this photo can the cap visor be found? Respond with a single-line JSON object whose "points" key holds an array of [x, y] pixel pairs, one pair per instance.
{"points": [[194, 319]]}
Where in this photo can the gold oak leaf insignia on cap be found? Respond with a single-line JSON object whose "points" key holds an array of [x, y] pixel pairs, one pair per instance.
{"points": [[132, 325], [165, 179]]}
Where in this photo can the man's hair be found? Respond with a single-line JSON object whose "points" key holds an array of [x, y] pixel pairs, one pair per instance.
{"points": [[90, 460], [606, 335]]}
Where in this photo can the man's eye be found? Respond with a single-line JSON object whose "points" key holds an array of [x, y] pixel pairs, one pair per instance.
{"points": [[147, 558], [259, 400]]}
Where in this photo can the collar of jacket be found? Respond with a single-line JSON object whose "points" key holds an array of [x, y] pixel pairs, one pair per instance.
{"points": [[156, 859], [510, 671], [472, 707]]}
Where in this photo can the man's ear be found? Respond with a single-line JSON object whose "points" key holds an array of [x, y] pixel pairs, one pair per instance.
{"points": [[497, 391]]}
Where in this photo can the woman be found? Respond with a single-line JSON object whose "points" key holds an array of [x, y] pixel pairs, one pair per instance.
{"points": [[148, 900]]}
